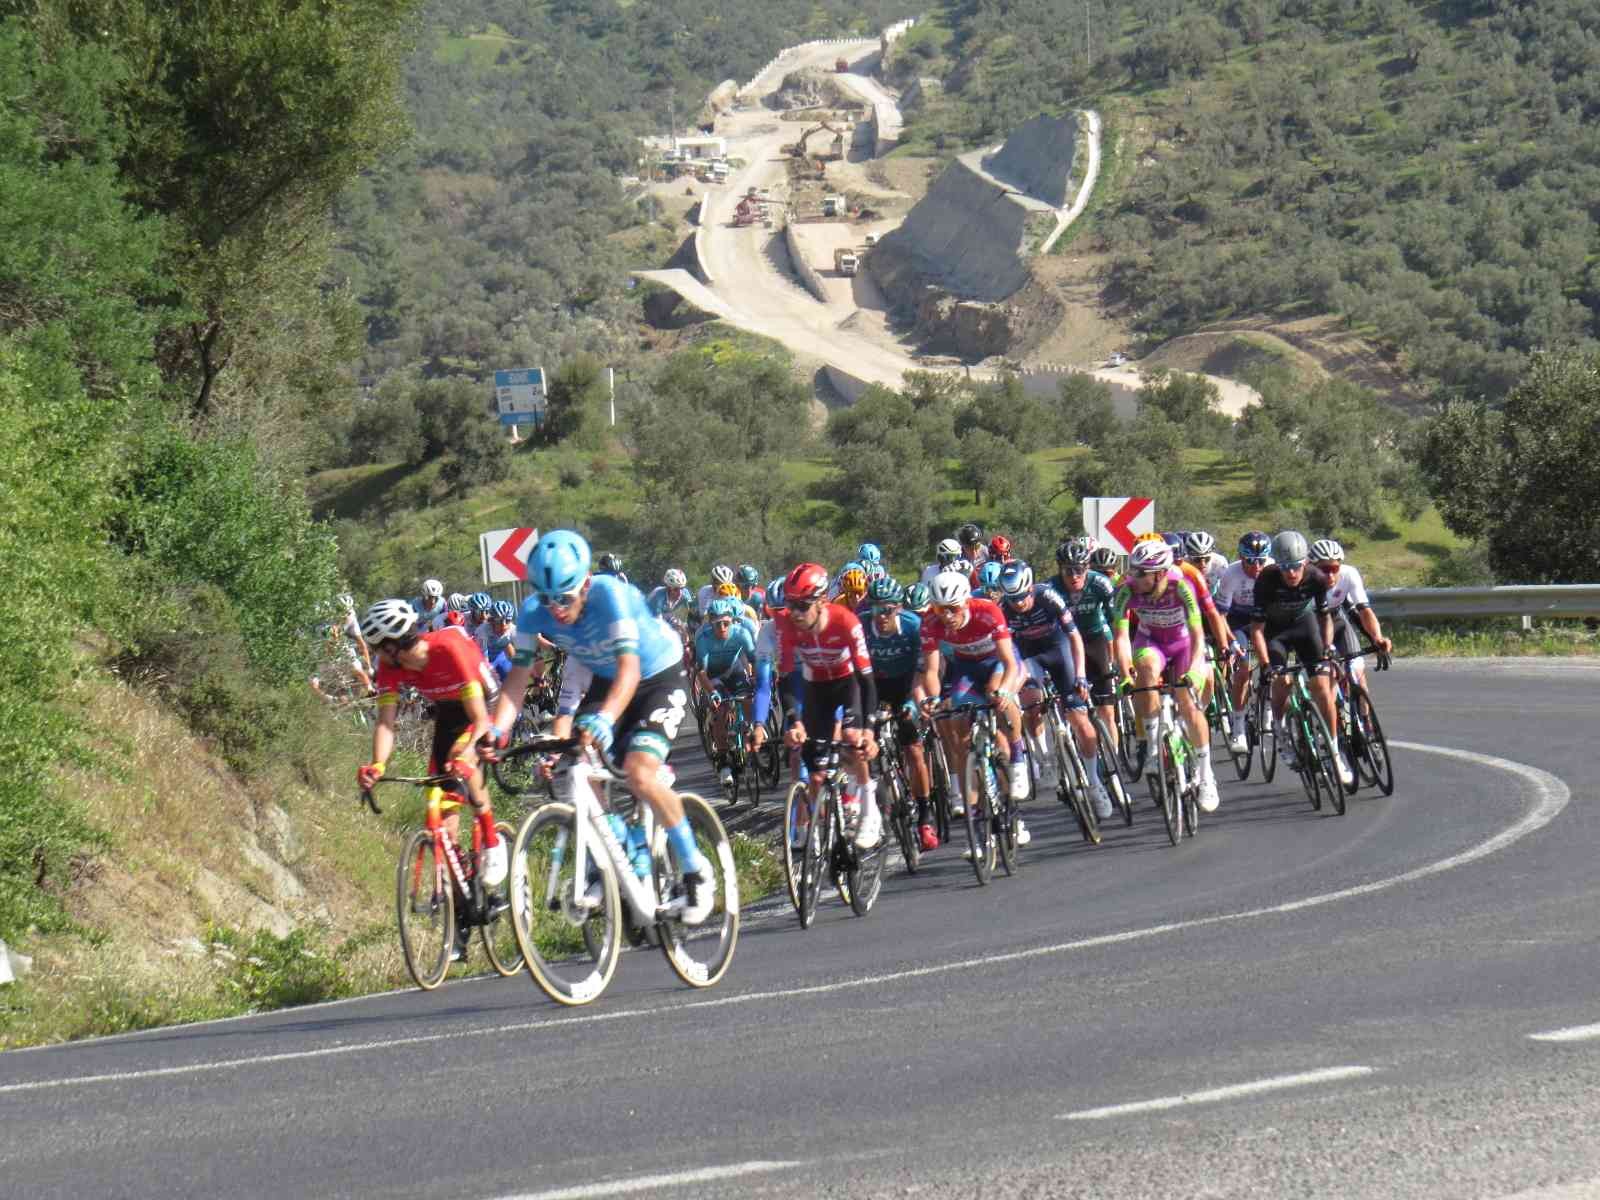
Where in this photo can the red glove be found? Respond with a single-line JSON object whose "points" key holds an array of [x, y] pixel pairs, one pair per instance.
{"points": [[460, 768], [368, 776]]}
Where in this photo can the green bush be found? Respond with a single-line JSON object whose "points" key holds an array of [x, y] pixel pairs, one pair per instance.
{"points": [[268, 971]]}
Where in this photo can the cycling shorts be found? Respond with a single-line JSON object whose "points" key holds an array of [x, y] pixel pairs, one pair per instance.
{"points": [[1100, 667], [828, 701], [1303, 636], [734, 683], [893, 692], [1171, 648], [978, 673], [1059, 667], [451, 726], [651, 720], [1347, 640]]}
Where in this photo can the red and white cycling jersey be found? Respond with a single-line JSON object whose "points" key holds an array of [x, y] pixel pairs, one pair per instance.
{"points": [[979, 638], [837, 648], [456, 670]]}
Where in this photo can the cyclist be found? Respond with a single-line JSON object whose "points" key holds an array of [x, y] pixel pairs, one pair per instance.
{"points": [[720, 574], [344, 641], [973, 550], [869, 555], [480, 623], [1105, 560], [1292, 612], [850, 589], [1000, 549], [449, 672], [983, 666], [430, 607], [503, 639], [610, 564], [836, 688], [1200, 548], [724, 651], [1166, 647], [1347, 595], [636, 699], [986, 581], [1235, 595], [894, 643], [945, 555], [1089, 594], [918, 598], [671, 601], [750, 590]]}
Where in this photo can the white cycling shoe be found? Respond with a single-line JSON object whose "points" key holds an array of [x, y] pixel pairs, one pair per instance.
{"points": [[1019, 780], [1346, 778], [1101, 799], [1238, 743], [495, 864], [1208, 794], [870, 831]]}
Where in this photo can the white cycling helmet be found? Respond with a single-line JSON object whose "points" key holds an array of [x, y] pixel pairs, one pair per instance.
{"points": [[387, 620], [721, 573], [346, 601], [1199, 544], [1150, 556], [948, 550], [674, 578], [456, 602], [1326, 550], [433, 589], [951, 587]]}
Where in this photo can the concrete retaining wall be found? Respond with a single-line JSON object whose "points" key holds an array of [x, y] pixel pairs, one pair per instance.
{"points": [[893, 33], [1037, 158], [1045, 382], [700, 271], [807, 272], [847, 385], [967, 234], [788, 54]]}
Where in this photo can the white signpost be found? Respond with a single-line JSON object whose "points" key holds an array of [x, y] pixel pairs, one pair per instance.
{"points": [[1117, 520], [519, 397], [505, 554]]}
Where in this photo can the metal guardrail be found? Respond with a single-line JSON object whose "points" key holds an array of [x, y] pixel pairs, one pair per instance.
{"points": [[1532, 600]]}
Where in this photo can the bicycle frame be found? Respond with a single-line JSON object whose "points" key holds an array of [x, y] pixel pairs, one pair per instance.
{"points": [[594, 830]]}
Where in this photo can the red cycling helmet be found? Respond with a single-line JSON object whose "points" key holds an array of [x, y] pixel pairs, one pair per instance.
{"points": [[1000, 546], [806, 582]]}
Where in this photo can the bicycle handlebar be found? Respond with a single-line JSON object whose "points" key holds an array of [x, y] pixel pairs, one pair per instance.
{"points": [[368, 799]]}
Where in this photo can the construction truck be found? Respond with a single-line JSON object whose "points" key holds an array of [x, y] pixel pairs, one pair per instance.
{"points": [[832, 206], [846, 260]]}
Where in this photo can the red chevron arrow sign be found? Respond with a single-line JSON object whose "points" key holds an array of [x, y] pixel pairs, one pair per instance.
{"points": [[505, 554], [1118, 520]]}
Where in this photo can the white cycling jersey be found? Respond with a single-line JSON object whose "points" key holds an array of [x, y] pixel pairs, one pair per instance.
{"points": [[1212, 569], [430, 620], [1234, 593], [704, 597]]}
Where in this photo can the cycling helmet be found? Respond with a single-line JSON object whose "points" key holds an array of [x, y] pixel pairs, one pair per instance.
{"points": [[723, 606], [775, 595], [1016, 580], [947, 551], [961, 564], [345, 601], [433, 589], [1000, 547], [1103, 558], [1255, 546], [989, 575], [504, 610], [875, 571], [868, 552], [1199, 544], [949, 587], [1150, 556], [969, 534], [721, 574], [808, 581], [481, 602], [1175, 540], [749, 575], [918, 597], [456, 603], [608, 564], [1326, 550], [674, 578], [727, 590], [886, 591], [853, 579], [1290, 549], [559, 563], [1075, 551], [388, 620]]}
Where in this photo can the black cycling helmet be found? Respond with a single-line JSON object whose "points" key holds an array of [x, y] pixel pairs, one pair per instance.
{"points": [[968, 534], [608, 564], [1074, 551]]}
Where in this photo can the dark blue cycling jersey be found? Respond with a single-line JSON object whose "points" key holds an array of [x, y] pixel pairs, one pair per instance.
{"points": [[895, 654], [1044, 627]]}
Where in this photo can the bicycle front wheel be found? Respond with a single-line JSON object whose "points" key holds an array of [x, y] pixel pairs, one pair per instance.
{"points": [[499, 936], [895, 800], [794, 810], [426, 908], [701, 954], [1305, 756], [818, 854], [1266, 734], [1325, 758], [1110, 777], [1171, 795], [1374, 746], [982, 789], [939, 790], [569, 931], [1082, 805], [1129, 754]]}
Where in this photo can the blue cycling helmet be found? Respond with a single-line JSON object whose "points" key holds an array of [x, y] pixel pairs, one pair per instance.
{"points": [[504, 610], [886, 590], [868, 553], [1016, 578], [749, 575], [1255, 546], [723, 606], [875, 572], [480, 603], [1175, 540], [559, 563], [775, 594], [989, 575]]}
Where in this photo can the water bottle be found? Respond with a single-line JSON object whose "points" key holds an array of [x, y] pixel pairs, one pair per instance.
{"points": [[638, 851], [619, 830]]}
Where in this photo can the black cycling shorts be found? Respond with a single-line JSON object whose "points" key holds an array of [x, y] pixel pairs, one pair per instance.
{"points": [[824, 700], [450, 721], [1345, 636], [893, 692], [1100, 666], [1058, 663], [1303, 635], [651, 720]]}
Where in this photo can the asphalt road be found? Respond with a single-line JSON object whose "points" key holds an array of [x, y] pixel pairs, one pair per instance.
{"points": [[1292, 1004]]}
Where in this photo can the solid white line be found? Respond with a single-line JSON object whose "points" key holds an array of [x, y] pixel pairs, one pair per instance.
{"points": [[1550, 797], [1212, 1095], [1574, 1033], [646, 1183]]}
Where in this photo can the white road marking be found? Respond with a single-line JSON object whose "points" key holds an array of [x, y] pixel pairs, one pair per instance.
{"points": [[1550, 797], [1212, 1095], [647, 1183], [1573, 1033]]}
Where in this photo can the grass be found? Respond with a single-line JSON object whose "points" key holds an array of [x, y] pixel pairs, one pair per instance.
{"points": [[1495, 638], [480, 49]]}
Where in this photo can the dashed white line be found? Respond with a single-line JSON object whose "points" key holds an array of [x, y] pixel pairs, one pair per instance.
{"points": [[1277, 1083], [1550, 797], [649, 1183], [1573, 1033]]}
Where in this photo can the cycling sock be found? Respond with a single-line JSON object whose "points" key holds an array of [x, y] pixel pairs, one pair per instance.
{"points": [[1094, 768], [872, 790], [681, 838], [1016, 750], [1151, 728], [487, 836]]}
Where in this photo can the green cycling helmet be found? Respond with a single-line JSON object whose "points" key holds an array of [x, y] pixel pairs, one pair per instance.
{"points": [[887, 591], [918, 597]]}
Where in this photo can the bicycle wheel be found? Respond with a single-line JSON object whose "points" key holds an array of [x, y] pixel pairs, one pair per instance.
{"points": [[1343, 743], [1191, 796], [1110, 776], [1170, 795], [1003, 823], [770, 756], [895, 800], [1082, 805], [570, 940], [499, 938], [939, 786], [982, 791], [1266, 734], [517, 770], [1129, 755], [1247, 709], [1374, 746], [1325, 758], [817, 856], [865, 878], [426, 910], [701, 954], [1305, 761]]}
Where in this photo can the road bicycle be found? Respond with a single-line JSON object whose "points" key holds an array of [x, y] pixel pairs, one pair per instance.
{"points": [[1360, 732], [737, 755], [1059, 742], [1308, 734], [1220, 712], [941, 785], [894, 789], [439, 890], [1131, 748], [577, 890], [1175, 780], [991, 816], [830, 851]]}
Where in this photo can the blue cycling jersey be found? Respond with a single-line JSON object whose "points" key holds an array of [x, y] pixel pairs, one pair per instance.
{"points": [[1044, 627], [614, 621], [718, 656], [895, 654], [663, 604]]}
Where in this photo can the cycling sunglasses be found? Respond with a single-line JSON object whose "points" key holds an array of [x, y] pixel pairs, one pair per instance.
{"points": [[798, 605], [957, 607], [559, 599], [885, 610], [723, 622]]}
